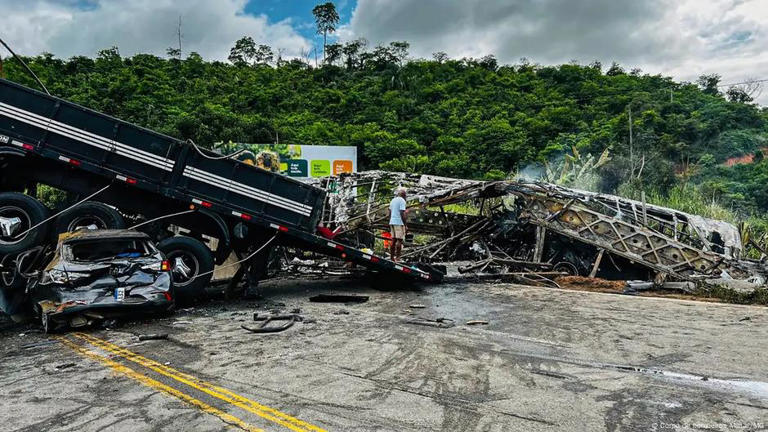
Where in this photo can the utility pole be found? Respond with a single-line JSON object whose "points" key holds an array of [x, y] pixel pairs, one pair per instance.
{"points": [[631, 145], [178, 32]]}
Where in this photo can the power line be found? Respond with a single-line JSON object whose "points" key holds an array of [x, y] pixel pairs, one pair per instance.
{"points": [[25, 65], [744, 82]]}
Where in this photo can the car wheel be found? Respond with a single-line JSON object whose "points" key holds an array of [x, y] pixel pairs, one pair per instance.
{"points": [[89, 214], [191, 266], [18, 213]]}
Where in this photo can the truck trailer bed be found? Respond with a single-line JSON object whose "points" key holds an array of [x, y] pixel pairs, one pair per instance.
{"points": [[51, 130]]}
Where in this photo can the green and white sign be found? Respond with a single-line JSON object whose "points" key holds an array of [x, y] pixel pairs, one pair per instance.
{"points": [[299, 161]]}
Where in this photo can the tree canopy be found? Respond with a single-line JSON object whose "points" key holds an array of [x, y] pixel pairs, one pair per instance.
{"points": [[470, 117]]}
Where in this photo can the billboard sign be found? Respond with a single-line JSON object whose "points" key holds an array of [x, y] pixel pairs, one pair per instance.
{"points": [[299, 161]]}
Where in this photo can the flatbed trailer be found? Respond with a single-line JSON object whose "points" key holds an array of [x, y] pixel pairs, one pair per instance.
{"points": [[47, 140]]}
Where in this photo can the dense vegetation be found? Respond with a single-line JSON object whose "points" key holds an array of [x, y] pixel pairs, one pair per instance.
{"points": [[464, 118]]}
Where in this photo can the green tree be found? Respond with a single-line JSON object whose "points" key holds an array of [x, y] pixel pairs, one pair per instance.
{"points": [[243, 52], [326, 19], [709, 83]]}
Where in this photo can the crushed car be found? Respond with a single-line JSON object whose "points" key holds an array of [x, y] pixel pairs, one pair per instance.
{"points": [[97, 275]]}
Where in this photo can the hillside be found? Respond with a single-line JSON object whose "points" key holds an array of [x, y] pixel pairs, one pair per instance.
{"points": [[463, 118]]}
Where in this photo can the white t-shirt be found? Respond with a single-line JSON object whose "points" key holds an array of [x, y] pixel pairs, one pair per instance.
{"points": [[395, 207]]}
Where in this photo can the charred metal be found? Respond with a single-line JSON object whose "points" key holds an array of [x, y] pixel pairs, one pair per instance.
{"points": [[535, 231]]}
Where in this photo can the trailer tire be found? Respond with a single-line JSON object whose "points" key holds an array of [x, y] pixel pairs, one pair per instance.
{"points": [[89, 213], [196, 259], [31, 212]]}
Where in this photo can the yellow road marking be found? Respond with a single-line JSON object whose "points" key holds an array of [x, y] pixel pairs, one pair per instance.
{"points": [[157, 385], [221, 393]]}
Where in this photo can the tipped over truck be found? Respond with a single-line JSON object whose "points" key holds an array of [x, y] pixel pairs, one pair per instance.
{"points": [[198, 206]]}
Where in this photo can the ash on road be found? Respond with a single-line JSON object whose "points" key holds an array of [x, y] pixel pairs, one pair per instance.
{"points": [[548, 360]]}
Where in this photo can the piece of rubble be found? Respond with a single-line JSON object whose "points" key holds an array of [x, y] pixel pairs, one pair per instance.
{"points": [[338, 298], [477, 322], [154, 336], [438, 322]]}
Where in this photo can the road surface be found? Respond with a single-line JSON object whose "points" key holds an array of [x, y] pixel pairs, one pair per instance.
{"points": [[547, 360]]}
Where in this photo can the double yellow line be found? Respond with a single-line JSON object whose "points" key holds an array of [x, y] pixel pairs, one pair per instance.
{"points": [[215, 391]]}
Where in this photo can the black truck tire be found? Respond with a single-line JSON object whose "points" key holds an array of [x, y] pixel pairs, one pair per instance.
{"points": [[89, 213], [31, 212], [196, 259]]}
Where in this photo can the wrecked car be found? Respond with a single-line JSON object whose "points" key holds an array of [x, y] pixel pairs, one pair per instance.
{"points": [[95, 275]]}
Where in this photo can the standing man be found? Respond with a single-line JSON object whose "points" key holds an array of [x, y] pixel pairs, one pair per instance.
{"points": [[397, 220]]}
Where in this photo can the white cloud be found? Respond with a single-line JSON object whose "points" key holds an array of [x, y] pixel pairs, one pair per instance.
{"points": [[147, 26], [681, 38]]}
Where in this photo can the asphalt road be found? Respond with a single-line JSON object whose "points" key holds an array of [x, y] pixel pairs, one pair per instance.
{"points": [[548, 360]]}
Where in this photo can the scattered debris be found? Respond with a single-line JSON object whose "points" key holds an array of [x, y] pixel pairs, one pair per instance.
{"points": [[684, 286], [417, 306], [638, 285], [264, 327], [477, 322], [65, 366], [155, 336], [439, 322], [338, 298], [745, 319], [534, 232]]}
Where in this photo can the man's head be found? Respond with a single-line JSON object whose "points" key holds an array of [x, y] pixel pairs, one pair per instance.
{"points": [[400, 192]]}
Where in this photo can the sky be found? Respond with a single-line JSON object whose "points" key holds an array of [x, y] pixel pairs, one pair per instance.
{"points": [[679, 38]]}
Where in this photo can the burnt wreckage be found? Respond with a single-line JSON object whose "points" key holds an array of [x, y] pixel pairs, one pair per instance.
{"points": [[536, 231]]}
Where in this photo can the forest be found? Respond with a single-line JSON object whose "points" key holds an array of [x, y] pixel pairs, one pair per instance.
{"points": [[589, 126]]}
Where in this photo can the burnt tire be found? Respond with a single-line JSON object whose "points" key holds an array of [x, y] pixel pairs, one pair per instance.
{"points": [[86, 214], [566, 267], [29, 212], [188, 258]]}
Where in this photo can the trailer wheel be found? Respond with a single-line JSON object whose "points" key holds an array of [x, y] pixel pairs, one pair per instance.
{"points": [[189, 258], [567, 268], [18, 213], [90, 213]]}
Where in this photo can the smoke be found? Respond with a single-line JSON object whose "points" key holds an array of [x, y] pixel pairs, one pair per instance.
{"points": [[575, 170], [532, 172]]}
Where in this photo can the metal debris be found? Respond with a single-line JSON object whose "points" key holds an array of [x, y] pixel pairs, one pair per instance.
{"points": [[338, 298], [477, 322], [533, 232], [264, 327], [158, 336], [438, 322]]}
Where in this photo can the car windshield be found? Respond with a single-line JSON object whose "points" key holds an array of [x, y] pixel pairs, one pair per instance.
{"points": [[101, 250]]}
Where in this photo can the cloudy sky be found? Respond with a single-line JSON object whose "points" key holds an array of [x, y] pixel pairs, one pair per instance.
{"points": [[681, 38]]}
